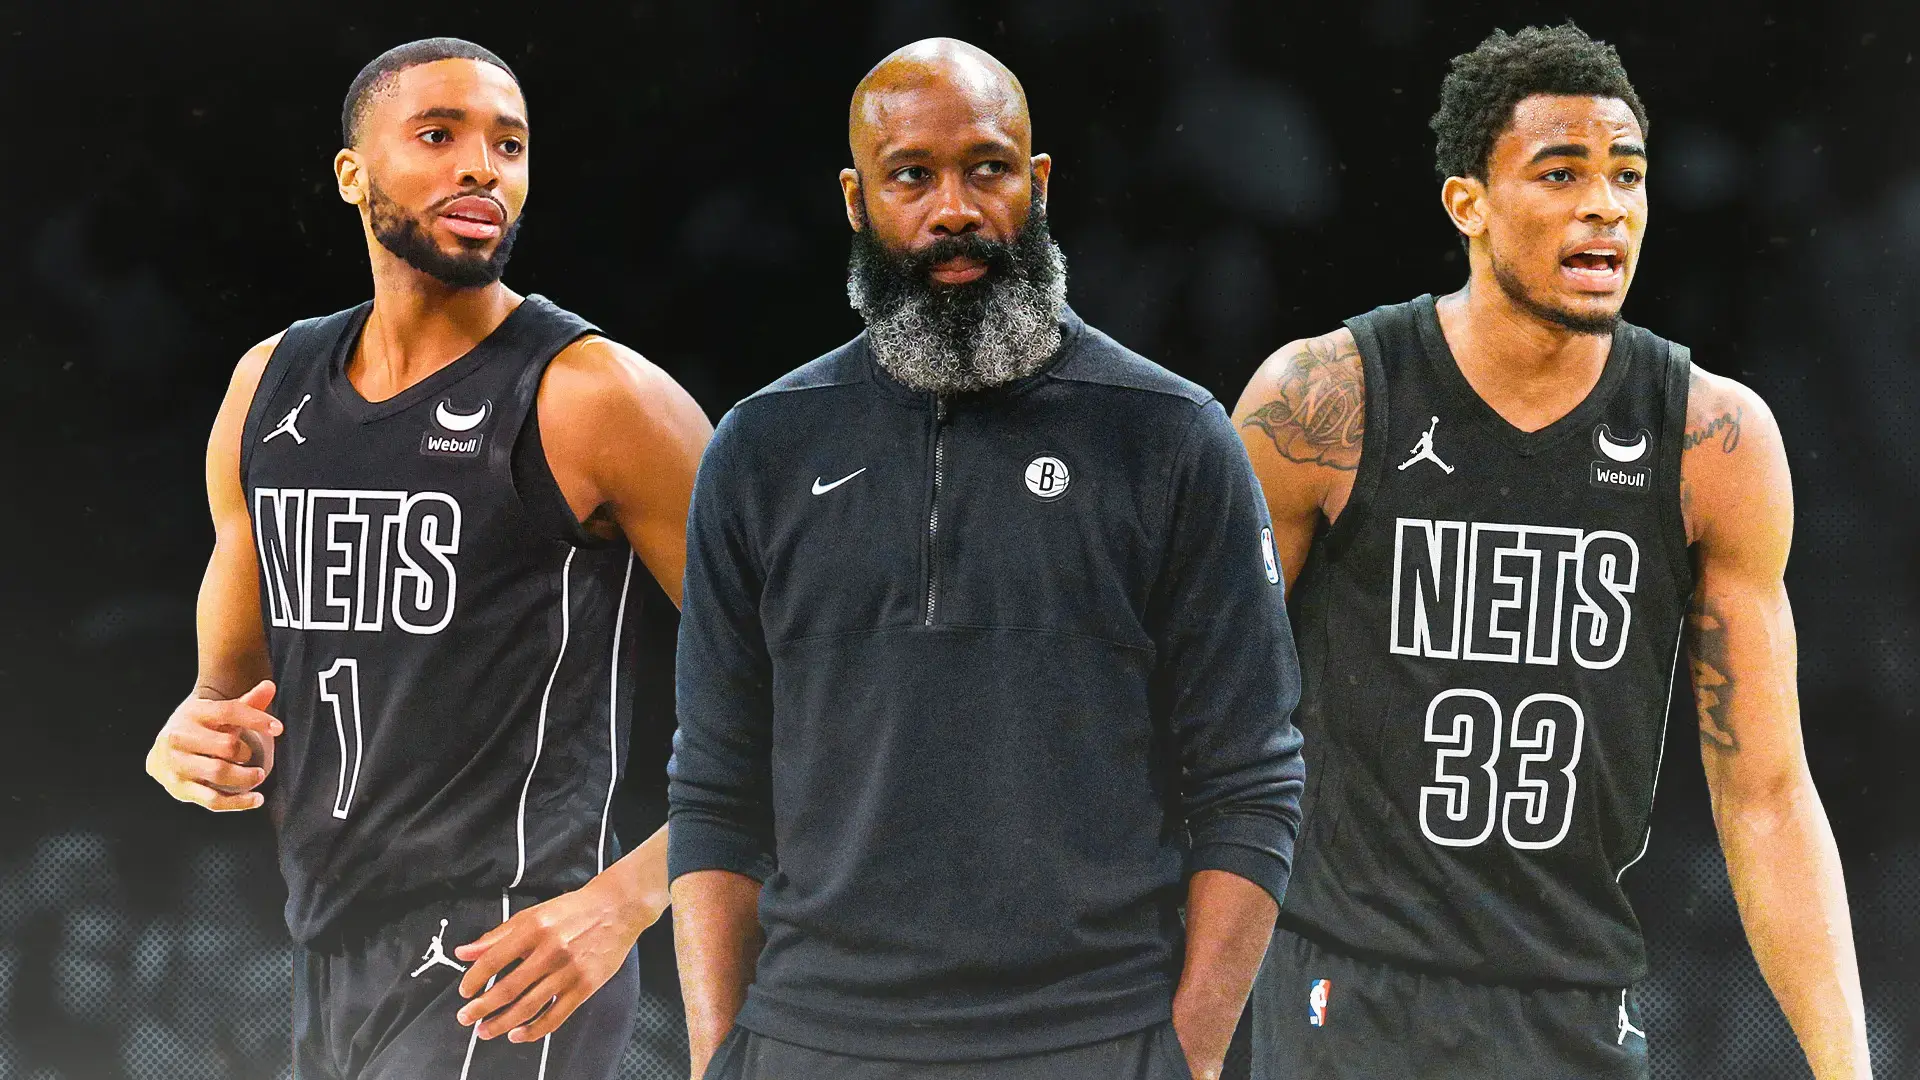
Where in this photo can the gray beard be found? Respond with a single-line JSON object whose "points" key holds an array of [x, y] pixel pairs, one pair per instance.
{"points": [[1016, 333]]}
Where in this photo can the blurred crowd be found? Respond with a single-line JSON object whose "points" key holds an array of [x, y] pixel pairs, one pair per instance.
{"points": [[102, 978], [103, 981]]}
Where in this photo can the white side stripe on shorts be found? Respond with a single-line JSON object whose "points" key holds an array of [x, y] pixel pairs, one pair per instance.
{"points": [[546, 1044]]}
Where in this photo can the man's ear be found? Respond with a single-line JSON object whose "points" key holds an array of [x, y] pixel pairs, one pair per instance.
{"points": [[850, 194], [1465, 201], [350, 177], [1042, 173]]}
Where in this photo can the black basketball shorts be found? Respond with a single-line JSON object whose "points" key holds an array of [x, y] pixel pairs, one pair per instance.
{"points": [[1319, 1015], [383, 1007]]}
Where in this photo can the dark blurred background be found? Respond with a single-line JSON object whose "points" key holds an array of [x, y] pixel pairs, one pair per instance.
{"points": [[1228, 176]]}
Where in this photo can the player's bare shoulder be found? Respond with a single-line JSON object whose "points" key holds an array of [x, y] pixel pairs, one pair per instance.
{"points": [[620, 431], [223, 443], [599, 363], [1308, 400], [1733, 465], [247, 374], [597, 388]]}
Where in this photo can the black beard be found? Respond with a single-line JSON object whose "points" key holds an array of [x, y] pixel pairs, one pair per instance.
{"points": [[1002, 326], [1596, 325], [404, 235]]}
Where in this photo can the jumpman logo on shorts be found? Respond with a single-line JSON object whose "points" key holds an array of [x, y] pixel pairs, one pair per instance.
{"points": [[1423, 451], [285, 426], [436, 954], [1626, 1025]]}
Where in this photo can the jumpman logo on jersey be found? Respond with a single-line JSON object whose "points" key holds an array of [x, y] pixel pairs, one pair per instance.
{"points": [[1423, 451], [436, 954], [1626, 1025], [285, 427]]}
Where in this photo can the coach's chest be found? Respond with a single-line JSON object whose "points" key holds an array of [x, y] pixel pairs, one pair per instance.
{"points": [[1004, 516]]}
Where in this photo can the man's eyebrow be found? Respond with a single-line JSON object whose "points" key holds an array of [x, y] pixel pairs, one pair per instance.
{"points": [[457, 115], [991, 146], [1627, 149], [906, 153], [1573, 150], [976, 148]]}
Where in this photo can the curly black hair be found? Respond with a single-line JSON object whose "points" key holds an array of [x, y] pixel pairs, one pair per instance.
{"points": [[1478, 96], [398, 59]]}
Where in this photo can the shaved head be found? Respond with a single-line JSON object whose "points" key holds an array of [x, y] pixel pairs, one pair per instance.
{"points": [[944, 65], [953, 268]]}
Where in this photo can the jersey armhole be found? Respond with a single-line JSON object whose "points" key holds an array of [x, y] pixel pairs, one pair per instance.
{"points": [[1672, 447], [519, 460], [1373, 405], [286, 353]]}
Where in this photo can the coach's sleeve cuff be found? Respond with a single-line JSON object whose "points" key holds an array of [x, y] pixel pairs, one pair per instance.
{"points": [[695, 844], [1267, 869]]}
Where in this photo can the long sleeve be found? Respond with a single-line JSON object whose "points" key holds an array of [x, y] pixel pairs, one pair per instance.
{"points": [[1229, 677], [719, 787]]}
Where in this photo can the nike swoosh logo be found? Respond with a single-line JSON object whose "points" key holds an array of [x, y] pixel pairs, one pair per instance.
{"points": [[821, 489], [454, 421], [1622, 452]]}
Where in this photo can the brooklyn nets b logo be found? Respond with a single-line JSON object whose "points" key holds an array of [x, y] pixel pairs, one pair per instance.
{"points": [[1047, 477]]}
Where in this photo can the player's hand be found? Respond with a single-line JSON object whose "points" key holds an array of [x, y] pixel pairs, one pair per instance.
{"points": [[567, 948], [215, 753]]}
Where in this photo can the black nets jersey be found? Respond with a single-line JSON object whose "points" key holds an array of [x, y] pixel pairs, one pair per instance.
{"points": [[1488, 635], [448, 643]]}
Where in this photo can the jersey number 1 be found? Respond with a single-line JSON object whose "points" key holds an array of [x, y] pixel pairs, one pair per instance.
{"points": [[1464, 802], [340, 688]]}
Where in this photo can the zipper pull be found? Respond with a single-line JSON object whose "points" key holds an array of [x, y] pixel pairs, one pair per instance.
{"points": [[939, 409]]}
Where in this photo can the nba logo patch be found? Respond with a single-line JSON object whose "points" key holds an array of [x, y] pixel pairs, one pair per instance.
{"points": [[1317, 1002], [1266, 552]]}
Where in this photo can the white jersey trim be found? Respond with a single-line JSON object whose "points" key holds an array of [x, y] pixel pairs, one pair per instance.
{"points": [[613, 716], [540, 732], [1673, 673]]}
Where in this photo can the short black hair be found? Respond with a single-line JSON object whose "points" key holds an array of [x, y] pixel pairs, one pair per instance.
{"points": [[398, 59], [1478, 96]]}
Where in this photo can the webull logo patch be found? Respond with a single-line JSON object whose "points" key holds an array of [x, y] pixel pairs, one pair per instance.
{"points": [[435, 444], [455, 436]]}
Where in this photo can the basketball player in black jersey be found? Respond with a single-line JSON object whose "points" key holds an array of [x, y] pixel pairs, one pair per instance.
{"points": [[428, 510], [1500, 507]]}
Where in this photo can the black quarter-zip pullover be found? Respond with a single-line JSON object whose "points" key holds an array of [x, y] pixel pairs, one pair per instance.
{"points": [[974, 685]]}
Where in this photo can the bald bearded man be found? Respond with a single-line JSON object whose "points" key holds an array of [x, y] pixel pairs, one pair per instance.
{"points": [[984, 670]]}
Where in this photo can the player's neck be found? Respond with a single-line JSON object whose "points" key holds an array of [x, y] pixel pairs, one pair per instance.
{"points": [[1530, 371], [418, 326]]}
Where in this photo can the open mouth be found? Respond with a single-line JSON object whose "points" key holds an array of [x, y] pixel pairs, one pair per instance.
{"points": [[1592, 260], [1596, 266]]}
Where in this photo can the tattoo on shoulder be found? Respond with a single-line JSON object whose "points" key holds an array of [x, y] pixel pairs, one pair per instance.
{"points": [[1712, 675], [1726, 426], [1319, 415]]}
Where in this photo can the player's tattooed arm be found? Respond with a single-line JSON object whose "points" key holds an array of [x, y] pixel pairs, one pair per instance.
{"points": [[1303, 419], [1738, 501], [1315, 407], [1723, 428], [1708, 663]]}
